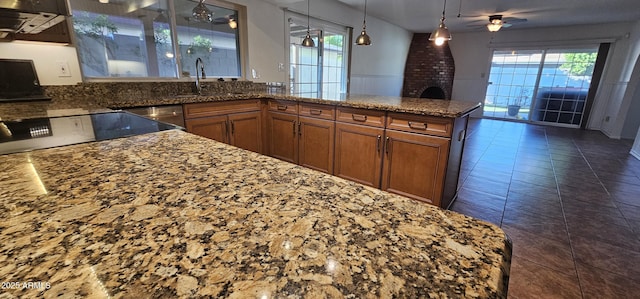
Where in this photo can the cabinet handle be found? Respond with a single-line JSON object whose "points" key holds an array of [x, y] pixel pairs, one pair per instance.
{"points": [[358, 117], [294, 127], [417, 126], [282, 107], [315, 112], [378, 143], [232, 128], [299, 128], [461, 135], [386, 146]]}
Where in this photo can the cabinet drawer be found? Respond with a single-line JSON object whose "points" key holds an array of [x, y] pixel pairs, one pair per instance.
{"points": [[318, 111], [420, 124], [283, 106], [197, 110], [373, 118]]}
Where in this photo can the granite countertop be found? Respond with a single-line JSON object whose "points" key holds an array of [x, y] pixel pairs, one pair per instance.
{"points": [[432, 107], [69, 106], [171, 214]]}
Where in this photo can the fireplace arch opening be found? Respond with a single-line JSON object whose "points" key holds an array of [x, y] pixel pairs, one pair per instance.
{"points": [[433, 92]]}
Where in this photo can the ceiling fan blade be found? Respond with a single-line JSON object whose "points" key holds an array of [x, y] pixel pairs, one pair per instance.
{"points": [[513, 20]]}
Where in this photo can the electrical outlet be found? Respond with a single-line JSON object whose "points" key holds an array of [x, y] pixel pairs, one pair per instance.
{"points": [[280, 67], [606, 118], [63, 69]]}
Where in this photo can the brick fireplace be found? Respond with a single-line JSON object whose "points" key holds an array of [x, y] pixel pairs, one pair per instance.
{"points": [[429, 69]]}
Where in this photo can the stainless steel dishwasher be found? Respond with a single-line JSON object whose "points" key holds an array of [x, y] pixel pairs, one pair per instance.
{"points": [[168, 114]]}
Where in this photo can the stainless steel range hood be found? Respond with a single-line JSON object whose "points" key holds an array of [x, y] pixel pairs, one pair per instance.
{"points": [[29, 16]]}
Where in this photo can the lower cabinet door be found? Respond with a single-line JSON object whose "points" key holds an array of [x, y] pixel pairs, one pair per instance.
{"points": [[358, 153], [283, 137], [414, 165], [214, 127], [246, 131], [316, 143]]}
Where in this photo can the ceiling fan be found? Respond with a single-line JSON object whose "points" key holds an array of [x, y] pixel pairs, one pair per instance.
{"points": [[231, 20], [497, 21]]}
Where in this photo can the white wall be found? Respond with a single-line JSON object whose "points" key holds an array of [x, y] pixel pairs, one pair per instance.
{"points": [[619, 109], [472, 55], [46, 58], [375, 69]]}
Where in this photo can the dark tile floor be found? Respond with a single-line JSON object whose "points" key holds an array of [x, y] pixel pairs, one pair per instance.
{"points": [[570, 201]]}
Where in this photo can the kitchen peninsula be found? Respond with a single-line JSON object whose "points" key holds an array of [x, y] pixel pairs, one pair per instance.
{"points": [[171, 214]]}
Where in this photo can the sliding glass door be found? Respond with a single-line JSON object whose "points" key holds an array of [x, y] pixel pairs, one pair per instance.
{"points": [[548, 86], [320, 71]]}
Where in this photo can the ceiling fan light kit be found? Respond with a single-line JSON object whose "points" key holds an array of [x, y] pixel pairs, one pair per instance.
{"points": [[441, 34], [364, 39], [495, 23]]}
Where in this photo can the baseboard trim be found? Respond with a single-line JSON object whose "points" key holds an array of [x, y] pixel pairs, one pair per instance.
{"points": [[635, 153]]}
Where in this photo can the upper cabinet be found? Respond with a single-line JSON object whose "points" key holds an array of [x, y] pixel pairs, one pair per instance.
{"points": [[34, 21]]}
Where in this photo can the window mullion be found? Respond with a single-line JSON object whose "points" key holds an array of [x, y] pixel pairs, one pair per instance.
{"points": [[320, 61]]}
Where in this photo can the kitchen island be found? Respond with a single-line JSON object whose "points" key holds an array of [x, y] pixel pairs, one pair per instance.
{"points": [[171, 214]]}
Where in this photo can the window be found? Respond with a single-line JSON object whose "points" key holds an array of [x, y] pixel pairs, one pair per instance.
{"points": [[320, 71], [547, 86], [138, 39]]}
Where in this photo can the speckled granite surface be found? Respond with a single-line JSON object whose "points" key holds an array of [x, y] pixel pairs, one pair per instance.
{"points": [[440, 108], [170, 214]]}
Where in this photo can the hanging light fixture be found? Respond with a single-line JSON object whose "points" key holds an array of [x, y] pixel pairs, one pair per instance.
{"points": [[308, 41], [495, 23], [364, 39], [202, 13], [441, 34], [233, 24]]}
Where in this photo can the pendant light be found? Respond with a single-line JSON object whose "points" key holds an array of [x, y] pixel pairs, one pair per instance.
{"points": [[441, 34], [364, 39], [202, 13], [308, 41]]}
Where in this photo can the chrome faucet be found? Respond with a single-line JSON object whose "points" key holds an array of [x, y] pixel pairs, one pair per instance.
{"points": [[199, 69]]}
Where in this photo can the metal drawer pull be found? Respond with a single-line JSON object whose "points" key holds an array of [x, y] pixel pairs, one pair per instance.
{"points": [[232, 128], [386, 146], [282, 107], [299, 129], [294, 127], [417, 126], [315, 112], [358, 117], [461, 135], [378, 143]]}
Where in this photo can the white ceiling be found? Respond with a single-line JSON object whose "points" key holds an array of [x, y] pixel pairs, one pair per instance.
{"points": [[424, 15]]}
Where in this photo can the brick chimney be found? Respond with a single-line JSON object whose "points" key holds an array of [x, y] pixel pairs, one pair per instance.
{"points": [[428, 66]]}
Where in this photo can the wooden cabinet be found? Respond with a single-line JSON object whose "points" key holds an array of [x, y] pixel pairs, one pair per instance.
{"points": [[416, 156], [282, 135], [358, 148], [422, 156], [316, 143], [214, 127], [238, 123], [414, 165], [301, 134]]}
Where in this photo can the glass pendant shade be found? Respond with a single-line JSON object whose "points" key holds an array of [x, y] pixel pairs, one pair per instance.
{"points": [[202, 13], [494, 27]]}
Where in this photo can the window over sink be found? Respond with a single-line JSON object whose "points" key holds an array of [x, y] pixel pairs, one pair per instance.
{"points": [[157, 38]]}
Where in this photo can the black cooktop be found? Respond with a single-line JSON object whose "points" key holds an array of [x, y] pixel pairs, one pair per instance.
{"points": [[38, 133]]}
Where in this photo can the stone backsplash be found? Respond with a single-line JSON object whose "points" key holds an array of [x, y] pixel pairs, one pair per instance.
{"points": [[121, 94]]}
